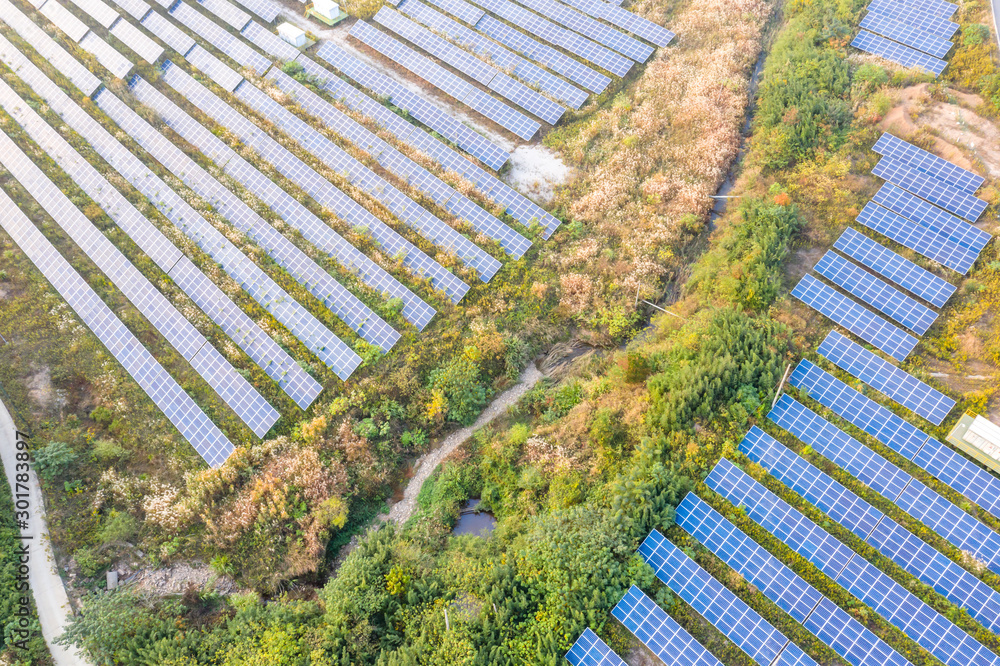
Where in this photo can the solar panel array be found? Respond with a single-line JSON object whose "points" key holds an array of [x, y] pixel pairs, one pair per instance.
{"points": [[832, 625], [909, 494], [264, 351], [910, 15], [137, 40], [493, 52], [924, 625], [930, 188], [931, 217], [517, 205], [907, 35], [98, 10], [934, 7], [919, 239], [625, 20], [468, 140], [224, 76], [168, 33], [588, 27], [869, 524], [714, 602], [226, 11], [906, 439], [269, 43], [219, 37], [293, 212], [162, 389], [660, 632], [590, 650], [886, 378], [888, 300], [110, 58], [902, 271], [429, 71], [855, 318], [899, 53], [929, 163], [528, 99], [461, 10], [265, 9], [317, 338], [64, 19]]}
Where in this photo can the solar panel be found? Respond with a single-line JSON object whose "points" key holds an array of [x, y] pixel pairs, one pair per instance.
{"points": [[907, 34], [906, 439], [517, 205], [832, 625], [330, 349], [46, 47], [934, 25], [265, 9], [858, 320], [168, 33], [866, 582], [929, 163], [543, 54], [887, 263], [429, 71], [545, 29], [220, 38], [886, 378], [933, 218], [110, 58], [97, 10], [64, 19], [871, 525], [227, 11], [179, 408], [714, 602], [896, 52], [136, 40], [496, 54], [875, 292], [927, 187], [590, 650], [461, 10], [661, 634], [932, 7], [625, 20], [422, 110], [919, 239], [225, 77], [269, 43], [137, 9], [588, 27]]}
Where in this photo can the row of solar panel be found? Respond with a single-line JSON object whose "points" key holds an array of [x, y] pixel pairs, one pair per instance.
{"points": [[910, 33]]}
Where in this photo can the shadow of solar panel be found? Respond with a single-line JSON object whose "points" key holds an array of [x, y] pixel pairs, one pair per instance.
{"points": [[930, 188], [714, 602], [155, 382], [869, 524], [226, 11], [110, 58], [588, 27], [590, 650], [136, 40], [625, 20], [220, 38], [661, 634], [64, 19], [916, 237], [887, 263], [835, 627], [886, 378], [858, 320], [875, 292], [907, 34], [962, 475], [933, 218], [934, 25], [896, 52], [929, 163], [903, 610]]}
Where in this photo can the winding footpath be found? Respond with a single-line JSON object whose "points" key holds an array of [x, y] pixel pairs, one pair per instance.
{"points": [[46, 585]]}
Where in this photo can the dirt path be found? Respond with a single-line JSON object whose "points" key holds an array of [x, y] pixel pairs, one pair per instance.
{"points": [[46, 585], [427, 463]]}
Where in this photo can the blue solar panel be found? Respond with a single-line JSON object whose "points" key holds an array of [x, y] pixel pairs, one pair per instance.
{"points": [[661, 634], [929, 163], [933, 218], [935, 25], [902, 437], [919, 239], [888, 300], [220, 38], [869, 524], [932, 7], [896, 52], [920, 622], [590, 650], [931, 188], [906, 34], [714, 602], [617, 16], [902, 271], [881, 375], [832, 625], [855, 318], [587, 26]]}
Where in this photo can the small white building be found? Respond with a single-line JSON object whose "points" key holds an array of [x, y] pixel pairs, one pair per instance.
{"points": [[292, 34], [979, 438], [327, 9]]}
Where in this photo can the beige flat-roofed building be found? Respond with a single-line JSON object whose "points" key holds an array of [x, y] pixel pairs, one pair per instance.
{"points": [[979, 438]]}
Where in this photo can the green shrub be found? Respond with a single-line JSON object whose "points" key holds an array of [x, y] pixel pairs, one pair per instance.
{"points": [[53, 459], [459, 382], [974, 34], [118, 527], [108, 450]]}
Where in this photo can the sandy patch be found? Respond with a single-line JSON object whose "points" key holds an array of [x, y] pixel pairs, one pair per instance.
{"points": [[537, 171], [176, 579], [40, 389]]}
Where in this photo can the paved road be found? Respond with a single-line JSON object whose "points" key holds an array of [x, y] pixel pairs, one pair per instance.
{"points": [[46, 585]]}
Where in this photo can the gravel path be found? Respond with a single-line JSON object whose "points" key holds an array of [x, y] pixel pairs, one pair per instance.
{"points": [[427, 463], [46, 585]]}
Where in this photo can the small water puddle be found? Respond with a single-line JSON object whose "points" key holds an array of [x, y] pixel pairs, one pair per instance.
{"points": [[474, 521]]}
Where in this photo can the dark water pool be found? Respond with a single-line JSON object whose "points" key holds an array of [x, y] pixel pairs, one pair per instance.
{"points": [[471, 522]]}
